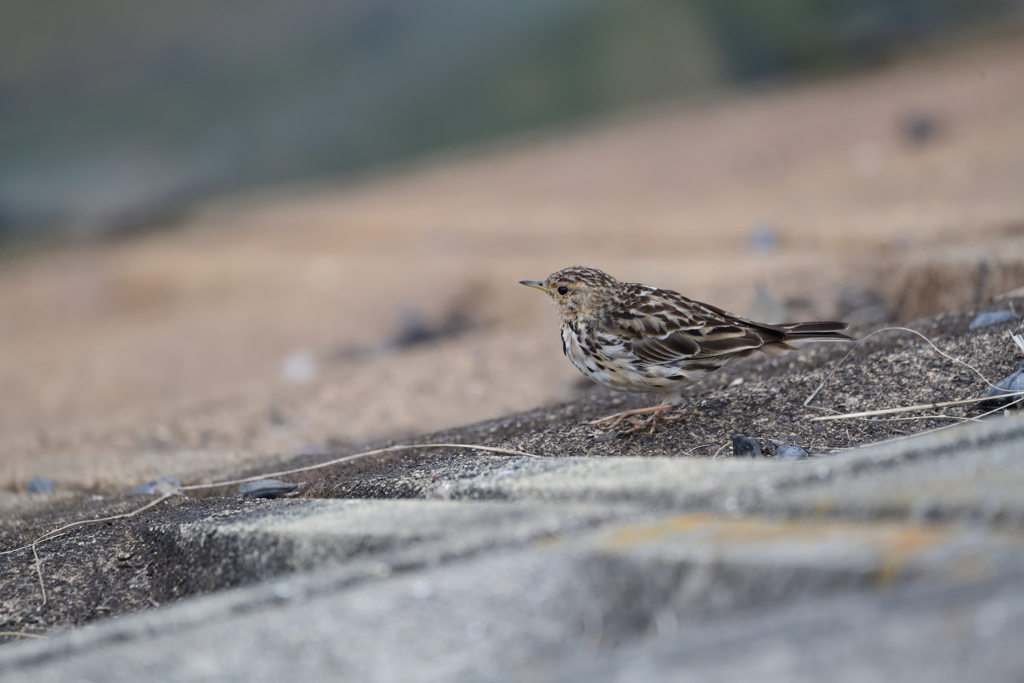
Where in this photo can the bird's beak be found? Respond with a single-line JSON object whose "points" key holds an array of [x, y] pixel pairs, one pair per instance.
{"points": [[536, 284]]}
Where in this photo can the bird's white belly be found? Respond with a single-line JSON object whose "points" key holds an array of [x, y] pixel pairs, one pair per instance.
{"points": [[615, 369], [618, 369], [586, 363]]}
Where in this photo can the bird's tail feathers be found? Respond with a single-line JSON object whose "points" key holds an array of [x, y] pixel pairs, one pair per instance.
{"points": [[816, 331], [806, 332]]}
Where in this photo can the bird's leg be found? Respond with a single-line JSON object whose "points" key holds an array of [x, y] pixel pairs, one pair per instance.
{"points": [[653, 421], [657, 416], [626, 414]]}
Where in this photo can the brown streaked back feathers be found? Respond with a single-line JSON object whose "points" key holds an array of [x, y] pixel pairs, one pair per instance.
{"points": [[663, 326]]}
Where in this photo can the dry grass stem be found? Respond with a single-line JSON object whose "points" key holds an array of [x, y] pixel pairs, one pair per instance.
{"points": [[926, 417], [357, 456], [910, 409], [944, 427]]}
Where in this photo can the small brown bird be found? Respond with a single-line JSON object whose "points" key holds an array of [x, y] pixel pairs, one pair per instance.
{"points": [[631, 337]]}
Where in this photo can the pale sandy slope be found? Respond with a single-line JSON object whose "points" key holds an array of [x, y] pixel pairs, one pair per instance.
{"points": [[164, 354]]}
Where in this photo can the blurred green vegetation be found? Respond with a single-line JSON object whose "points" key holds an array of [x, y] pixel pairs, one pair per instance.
{"points": [[113, 112]]}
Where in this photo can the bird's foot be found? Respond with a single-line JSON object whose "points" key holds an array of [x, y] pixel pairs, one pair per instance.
{"points": [[657, 416]]}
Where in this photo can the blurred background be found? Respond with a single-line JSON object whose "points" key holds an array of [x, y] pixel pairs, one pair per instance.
{"points": [[114, 114], [238, 230]]}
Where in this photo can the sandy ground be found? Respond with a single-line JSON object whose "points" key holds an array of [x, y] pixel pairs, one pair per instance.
{"points": [[265, 325]]}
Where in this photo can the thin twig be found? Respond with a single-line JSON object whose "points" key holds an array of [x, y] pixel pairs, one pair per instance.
{"points": [[39, 569], [20, 634], [57, 533], [52, 534], [944, 427], [357, 456], [910, 409], [923, 417], [29, 545]]}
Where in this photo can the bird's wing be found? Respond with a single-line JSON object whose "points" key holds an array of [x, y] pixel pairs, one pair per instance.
{"points": [[662, 326]]}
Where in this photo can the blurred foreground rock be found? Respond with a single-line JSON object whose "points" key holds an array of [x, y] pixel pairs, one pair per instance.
{"points": [[896, 561]]}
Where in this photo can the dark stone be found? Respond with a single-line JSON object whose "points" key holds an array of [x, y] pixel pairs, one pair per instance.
{"points": [[265, 488], [745, 447]]}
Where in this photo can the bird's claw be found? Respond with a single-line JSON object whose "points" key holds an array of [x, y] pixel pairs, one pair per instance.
{"points": [[657, 416], [653, 421]]}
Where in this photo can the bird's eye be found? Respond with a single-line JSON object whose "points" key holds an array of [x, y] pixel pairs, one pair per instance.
{"points": [[563, 290]]}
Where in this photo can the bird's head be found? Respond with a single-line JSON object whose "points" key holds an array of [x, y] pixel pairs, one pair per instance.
{"points": [[577, 291]]}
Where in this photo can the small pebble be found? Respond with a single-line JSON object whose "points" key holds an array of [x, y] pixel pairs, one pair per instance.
{"points": [[1011, 384], [265, 488], [745, 447], [151, 487], [990, 318], [790, 452], [41, 485]]}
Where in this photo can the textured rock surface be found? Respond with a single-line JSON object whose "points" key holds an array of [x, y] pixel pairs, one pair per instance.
{"points": [[605, 568]]}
